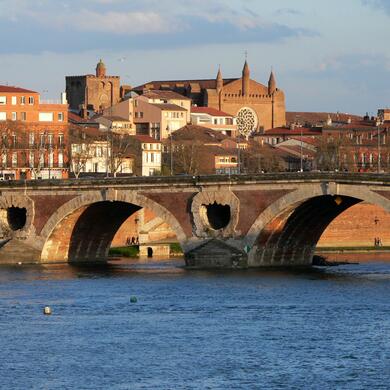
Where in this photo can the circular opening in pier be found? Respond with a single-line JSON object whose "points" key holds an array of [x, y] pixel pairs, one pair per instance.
{"points": [[16, 217], [218, 215]]}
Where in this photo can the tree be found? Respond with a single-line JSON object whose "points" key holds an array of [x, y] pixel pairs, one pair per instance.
{"points": [[80, 149], [123, 147]]}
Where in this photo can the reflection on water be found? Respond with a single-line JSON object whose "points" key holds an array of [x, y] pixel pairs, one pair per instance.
{"points": [[313, 328]]}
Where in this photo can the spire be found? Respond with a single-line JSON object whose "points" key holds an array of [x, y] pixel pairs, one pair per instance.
{"points": [[219, 80], [245, 79], [100, 69], [271, 83]]}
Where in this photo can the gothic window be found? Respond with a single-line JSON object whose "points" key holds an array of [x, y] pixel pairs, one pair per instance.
{"points": [[246, 121]]}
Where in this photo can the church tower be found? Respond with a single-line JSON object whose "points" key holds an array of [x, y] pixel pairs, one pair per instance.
{"points": [[245, 79], [100, 69], [271, 84], [219, 88]]}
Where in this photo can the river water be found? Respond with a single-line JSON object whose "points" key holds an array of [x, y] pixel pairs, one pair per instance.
{"points": [[327, 328]]}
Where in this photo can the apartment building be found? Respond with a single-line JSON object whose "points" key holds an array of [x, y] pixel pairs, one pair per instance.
{"points": [[33, 135]]}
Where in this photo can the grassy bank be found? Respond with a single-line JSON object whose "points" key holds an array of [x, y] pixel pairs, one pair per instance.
{"points": [[126, 251], [133, 251]]}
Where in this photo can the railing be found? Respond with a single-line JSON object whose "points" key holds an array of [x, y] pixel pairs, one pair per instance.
{"points": [[190, 180]]}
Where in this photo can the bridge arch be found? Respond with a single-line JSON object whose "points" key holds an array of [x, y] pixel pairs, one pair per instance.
{"points": [[287, 232], [83, 228]]}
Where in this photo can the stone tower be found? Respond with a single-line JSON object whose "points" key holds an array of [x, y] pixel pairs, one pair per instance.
{"points": [[92, 92], [100, 69], [219, 88], [245, 79], [271, 83]]}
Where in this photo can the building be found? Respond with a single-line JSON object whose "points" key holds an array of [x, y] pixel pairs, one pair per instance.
{"points": [[115, 124], [214, 119], [149, 154], [94, 153], [34, 135], [92, 92], [158, 120], [257, 107], [384, 115]]}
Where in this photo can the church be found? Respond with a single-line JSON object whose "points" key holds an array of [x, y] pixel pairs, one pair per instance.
{"points": [[257, 107]]}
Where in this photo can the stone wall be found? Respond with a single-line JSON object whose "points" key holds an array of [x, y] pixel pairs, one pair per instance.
{"points": [[358, 226]]}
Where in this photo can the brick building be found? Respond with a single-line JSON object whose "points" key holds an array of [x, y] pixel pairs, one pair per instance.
{"points": [[34, 135], [257, 107], [92, 92]]}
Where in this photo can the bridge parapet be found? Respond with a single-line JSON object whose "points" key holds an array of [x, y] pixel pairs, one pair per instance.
{"points": [[260, 219]]}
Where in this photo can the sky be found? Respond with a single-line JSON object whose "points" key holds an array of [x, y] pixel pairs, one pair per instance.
{"points": [[327, 55]]}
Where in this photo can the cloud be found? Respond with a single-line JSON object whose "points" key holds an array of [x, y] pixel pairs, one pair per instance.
{"points": [[65, 26], [381, 4], [288, 11]]}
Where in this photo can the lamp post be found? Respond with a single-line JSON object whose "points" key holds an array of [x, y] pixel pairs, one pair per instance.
{"points": [[379, 151], [170, 149], [301, 170]]}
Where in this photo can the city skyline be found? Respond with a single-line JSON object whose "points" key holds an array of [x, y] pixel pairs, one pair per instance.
{"points": [[319, 68]]}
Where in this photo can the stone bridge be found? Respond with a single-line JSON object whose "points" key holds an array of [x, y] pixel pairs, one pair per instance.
{"points": [[220, 221]]}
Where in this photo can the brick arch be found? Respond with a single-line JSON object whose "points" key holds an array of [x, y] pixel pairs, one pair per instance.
{"points": [[288, 230], [101, 210]]}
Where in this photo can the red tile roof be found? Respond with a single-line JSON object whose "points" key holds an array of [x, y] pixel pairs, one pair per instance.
{"points": [[165, 95], [297, 131], [146, 138], [318, 117], [203, 84], [168, 107], [9, 89], [210, 111]]}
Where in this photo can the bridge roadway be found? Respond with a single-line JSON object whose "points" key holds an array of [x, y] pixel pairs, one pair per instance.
{"points": [[234, 221]]}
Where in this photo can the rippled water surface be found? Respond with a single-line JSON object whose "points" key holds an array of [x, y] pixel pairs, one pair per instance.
{"points": [[320, 329]]}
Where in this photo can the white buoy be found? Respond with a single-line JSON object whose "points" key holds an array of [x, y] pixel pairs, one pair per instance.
{"points": [[19, 263], [47, 310]]}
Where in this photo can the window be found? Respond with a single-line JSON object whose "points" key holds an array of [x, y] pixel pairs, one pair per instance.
{"points": [[3, 100], [42, 139], [50, 139], [23, 100], [13, 100], [51, 159], [4, 159], [31, 159], [41, 159], [46, 117], [23, 116], [31, 139], [13, 139], [3, 116], [60, 139], [31, 100], [14, 116], [151, 157], [14, 159], [60, 117]]}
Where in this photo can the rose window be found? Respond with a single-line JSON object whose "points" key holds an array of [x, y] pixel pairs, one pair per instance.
{"points": [[246, 121]]}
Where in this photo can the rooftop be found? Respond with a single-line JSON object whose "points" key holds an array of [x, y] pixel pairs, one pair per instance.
{"points": [[210, 111], [168, 107], [9, 89], [203, 84], [163, 94], [146, 139]]}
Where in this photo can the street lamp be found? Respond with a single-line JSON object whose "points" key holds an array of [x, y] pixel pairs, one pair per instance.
{"points": [[171, 151], [379, 151], [301, 151]]}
